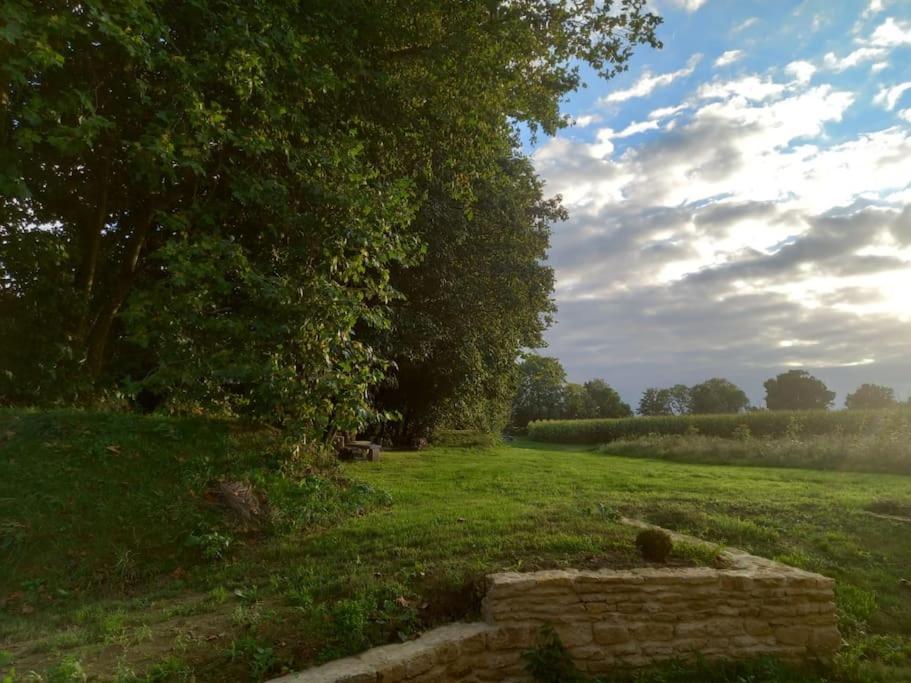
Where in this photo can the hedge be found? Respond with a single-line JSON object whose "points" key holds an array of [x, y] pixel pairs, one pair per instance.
{"points": [[760, 423]]}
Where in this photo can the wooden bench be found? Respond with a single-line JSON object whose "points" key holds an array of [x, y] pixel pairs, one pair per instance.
{"points": [[360, 450]]}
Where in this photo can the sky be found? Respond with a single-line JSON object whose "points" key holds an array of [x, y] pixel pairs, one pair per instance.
{"points": [[740, 201]]}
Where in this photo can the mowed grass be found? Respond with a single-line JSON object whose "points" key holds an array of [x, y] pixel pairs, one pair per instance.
{"points": [[401, 551]]}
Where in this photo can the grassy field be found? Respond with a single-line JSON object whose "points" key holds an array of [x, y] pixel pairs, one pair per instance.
{"points": [[117, 564]]}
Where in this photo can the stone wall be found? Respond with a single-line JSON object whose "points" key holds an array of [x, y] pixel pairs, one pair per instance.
{"points": [[610, 619]]}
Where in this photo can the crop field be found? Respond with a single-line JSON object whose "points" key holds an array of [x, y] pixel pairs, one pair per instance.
{"points": [[761, 423], [116, 565], [862, 441]]}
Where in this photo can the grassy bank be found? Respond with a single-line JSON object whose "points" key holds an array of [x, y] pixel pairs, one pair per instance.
{"points": [[376, 561]]}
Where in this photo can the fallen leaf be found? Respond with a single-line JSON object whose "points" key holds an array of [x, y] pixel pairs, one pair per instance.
{"points": [[114, 448], [402, 601]]}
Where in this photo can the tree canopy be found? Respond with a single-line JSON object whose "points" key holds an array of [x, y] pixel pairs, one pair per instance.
{"points": [[797, 390], [717, 395], [540, 392], [215, 202], [871, 397], [544, 394]]}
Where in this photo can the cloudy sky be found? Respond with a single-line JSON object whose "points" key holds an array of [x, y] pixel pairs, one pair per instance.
{"points": [[741, 201]]}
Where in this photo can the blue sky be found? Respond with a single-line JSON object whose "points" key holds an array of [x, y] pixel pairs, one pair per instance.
{"points": [[740, 201]]}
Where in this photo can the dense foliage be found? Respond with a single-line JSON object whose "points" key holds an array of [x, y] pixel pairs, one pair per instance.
{"points": [[675, 400], [544, 394], [540, 392], [757, 424], [480, 292], [209, 201], [716, 395], [797, 390], [871, 397]]}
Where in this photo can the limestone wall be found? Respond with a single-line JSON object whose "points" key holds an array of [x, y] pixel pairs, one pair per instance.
{"points": [[615, 619]]}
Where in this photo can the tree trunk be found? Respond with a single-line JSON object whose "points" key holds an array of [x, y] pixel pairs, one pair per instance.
{"points": [[100, 332], [91, 245]]}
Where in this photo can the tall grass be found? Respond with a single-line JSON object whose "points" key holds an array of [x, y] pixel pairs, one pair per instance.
{"points": [[759, 424], [883, 451]]}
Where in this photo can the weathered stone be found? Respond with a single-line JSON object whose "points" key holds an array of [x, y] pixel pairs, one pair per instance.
{"points": [[653, 631], [825, 641], [792, 635], [612, 619], [609, 634]]}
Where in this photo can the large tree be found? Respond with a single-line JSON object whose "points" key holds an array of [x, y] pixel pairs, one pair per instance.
{"points": [[207, 199], [717, 395], [797, 390], [480, 293], [540, 391], [655, 401], [871, 397], [605, 400]]}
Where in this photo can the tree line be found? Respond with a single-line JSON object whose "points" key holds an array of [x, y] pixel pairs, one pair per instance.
{"points": [[544, 394], [315, 214]]}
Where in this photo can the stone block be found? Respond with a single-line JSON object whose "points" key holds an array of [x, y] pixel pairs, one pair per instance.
{"points": [[793, 635], [610, 634]]}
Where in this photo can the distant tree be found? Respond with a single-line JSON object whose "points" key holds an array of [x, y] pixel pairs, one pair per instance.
{"points": [[680, 399], [577, 403], [871, 396], [540, 390], [718, 395], [655, 401], [605, 400], [797, 390]]}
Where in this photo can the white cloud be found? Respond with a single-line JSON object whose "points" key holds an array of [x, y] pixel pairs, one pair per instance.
{"points": [[638, 127], [648, 82], [889, 97], [858, 56], [892, 33], [801, 70], [729, 234], [879, 66], [888, 35], [744, 25], [729, 57], [664, 112], [688, 5], [749, 87], [874, 7], [586, 120], [905, 114]]}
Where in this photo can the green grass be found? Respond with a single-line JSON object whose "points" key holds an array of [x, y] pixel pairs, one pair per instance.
{"points": [[341, 569]]}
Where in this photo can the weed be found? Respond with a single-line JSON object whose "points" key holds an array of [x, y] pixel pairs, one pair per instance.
{"points": [[213, 545], [171, 670], [261, 659], [67, 670], [550, 662]]}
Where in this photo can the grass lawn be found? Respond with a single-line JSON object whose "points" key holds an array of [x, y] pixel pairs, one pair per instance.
{"points": [[116, 563]]}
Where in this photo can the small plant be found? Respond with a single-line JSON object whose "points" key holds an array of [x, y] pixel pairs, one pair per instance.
{"points": [[261, 659], [550, 661], [742, 433], [654, 545], [125, 568], [68, 670], [609, 513], [214, 545]]}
